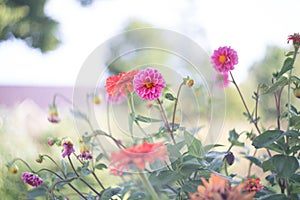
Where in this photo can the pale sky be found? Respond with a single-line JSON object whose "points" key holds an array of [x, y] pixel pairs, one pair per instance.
{"points": [[246, 26]]}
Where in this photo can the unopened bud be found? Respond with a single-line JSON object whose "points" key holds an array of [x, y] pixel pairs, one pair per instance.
{"points": [[190, 83], [229, 158], [39, 159], [13, 169], [96, 99]]}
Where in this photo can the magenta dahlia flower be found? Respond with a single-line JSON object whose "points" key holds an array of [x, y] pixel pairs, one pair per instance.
{"points": [[224, 59], [149, 83], [221, 80], [68, 148], [32, 179]]}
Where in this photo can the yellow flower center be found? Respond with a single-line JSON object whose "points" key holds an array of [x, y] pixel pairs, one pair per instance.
{"points": [[222, 59], [149, 85]]}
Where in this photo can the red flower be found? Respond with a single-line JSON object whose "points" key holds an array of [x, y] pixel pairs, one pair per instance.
{"points": [[117, 84], [295, 38], [139, 155], [116, 172], [252, 185]]}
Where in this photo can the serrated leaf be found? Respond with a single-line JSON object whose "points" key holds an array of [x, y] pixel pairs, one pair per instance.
{"points": [[194, 145], [267, 138]]}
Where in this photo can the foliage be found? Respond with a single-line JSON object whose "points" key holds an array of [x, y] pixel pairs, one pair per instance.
{"points": [[171, 162]]}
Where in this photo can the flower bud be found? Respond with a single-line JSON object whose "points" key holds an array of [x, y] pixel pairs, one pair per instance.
{"points": [[51, 141], [96, 99], [53, 114], [190, 83], [13, 169], [297, 92], [229, 158], [39, 159]]}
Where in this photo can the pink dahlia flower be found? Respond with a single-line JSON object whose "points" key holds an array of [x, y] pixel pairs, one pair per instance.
{"points": [[68, 148], [221, 80], [224, 59], [148, 84]]}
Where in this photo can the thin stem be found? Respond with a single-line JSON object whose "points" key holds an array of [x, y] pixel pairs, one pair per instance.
{"points": [[69, 183], [24, 162], [98, 181], [251, 163], [82, 180], [246, 107], [162, 110], [175, 105], [148, 186], [132, 110], [117, 142], [60, 169]]}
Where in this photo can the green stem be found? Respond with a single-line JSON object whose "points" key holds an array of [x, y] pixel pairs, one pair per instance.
{"points": [[148, 186], [247, 110], [175, 105], [82, 180], [289, 92], [132, 110], [165, 119]]}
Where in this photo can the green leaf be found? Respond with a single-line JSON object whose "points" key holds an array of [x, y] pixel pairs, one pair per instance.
{"points": [[99, 157], [268, 165], [109, 192], [85, 171], [284, 165], [233, 138], [194, 145], [164, 177], [36, 192], [290, 53], [174, 150], [146, 119], [287, 65], [64, 166], [170, 97], [267, 138], [282, 81], [273, 197], [101, 166], [254, 160], [78, 114]]}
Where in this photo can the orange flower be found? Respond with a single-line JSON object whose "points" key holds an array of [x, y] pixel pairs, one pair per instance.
{"points": [[219, 188], [118, 84], [252, 185], [139, 155]]}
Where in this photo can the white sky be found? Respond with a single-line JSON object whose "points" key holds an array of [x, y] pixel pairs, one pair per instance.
{"points": [[246, 26]]}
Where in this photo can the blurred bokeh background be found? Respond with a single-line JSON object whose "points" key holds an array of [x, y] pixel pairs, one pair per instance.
{"points": [[43, 45]]}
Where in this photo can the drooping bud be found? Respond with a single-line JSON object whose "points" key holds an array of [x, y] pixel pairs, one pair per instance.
{"points": [[229, 158]]}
